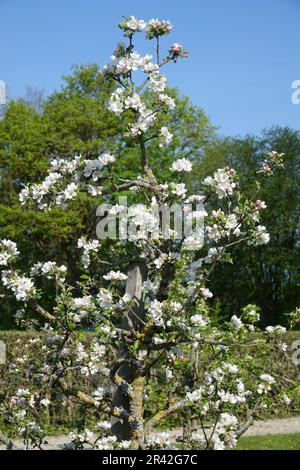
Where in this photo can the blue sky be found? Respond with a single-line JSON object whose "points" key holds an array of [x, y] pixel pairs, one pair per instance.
{"points": [[244, 54]]}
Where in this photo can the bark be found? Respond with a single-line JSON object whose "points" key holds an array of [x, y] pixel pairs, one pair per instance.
{"points": [[131, 428]]}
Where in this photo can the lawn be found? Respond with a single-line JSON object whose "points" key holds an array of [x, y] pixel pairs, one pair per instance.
{"points": [[270, 442]]}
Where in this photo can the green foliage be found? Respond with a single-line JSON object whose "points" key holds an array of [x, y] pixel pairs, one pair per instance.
{"points": [[270, 442]]}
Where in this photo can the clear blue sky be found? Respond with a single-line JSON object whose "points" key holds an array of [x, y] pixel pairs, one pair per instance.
{"points": [[244, 54]]}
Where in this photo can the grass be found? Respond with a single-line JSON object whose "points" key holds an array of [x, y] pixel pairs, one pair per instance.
{"points": [[270, 442]]}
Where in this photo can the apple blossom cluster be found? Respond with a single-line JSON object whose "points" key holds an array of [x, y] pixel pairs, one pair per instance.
{"points": [[165, 137], [223, 437], [156, 28], [8, 252], [260, 236], [273, 160], [223, 182], [49, 269], [222, 225], [131, 25], [89, 248], [88, 439], [176, 51], [65, 179], [22, 287], [91, 362], [125, 61], [115, 276], [182, 165], [160, 440], [123, 99], [266, 383], [121, 66]]}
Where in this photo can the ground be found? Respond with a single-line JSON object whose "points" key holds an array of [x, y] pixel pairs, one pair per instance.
{"points": [[273, 434]]}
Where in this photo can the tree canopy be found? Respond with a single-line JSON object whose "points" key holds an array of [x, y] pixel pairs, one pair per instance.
{"points": [[72, 121]]}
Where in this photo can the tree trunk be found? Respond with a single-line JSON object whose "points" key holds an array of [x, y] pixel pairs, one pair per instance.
{"points": [[132, 427]]}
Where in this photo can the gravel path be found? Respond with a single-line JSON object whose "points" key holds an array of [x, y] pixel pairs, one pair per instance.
{"points": [[259, 428], [274, 426]]}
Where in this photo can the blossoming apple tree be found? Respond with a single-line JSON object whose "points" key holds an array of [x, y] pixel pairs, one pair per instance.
{"points": [[149, 308]]}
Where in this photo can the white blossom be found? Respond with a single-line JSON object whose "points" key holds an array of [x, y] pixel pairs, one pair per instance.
{"points": [[195, 396], [181, 165], [178, 189], [261, 236], [222, 181], [105, 299], [236, 322], [157, 28], [166, 100], [278, 330], [265, 386], [286, 399], [198, 320], [45, 402], [116, 102], [88, 247], [115, 276], [22, 286], [135, 25], [8, 251], [49, 269], [157, 83], [155, 309], [212, 255], [159, 440], [206, 293], [70, 191]]}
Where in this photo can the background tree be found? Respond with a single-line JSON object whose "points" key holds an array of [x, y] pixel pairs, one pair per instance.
{"points": [[34, 98], [270, 277]]}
